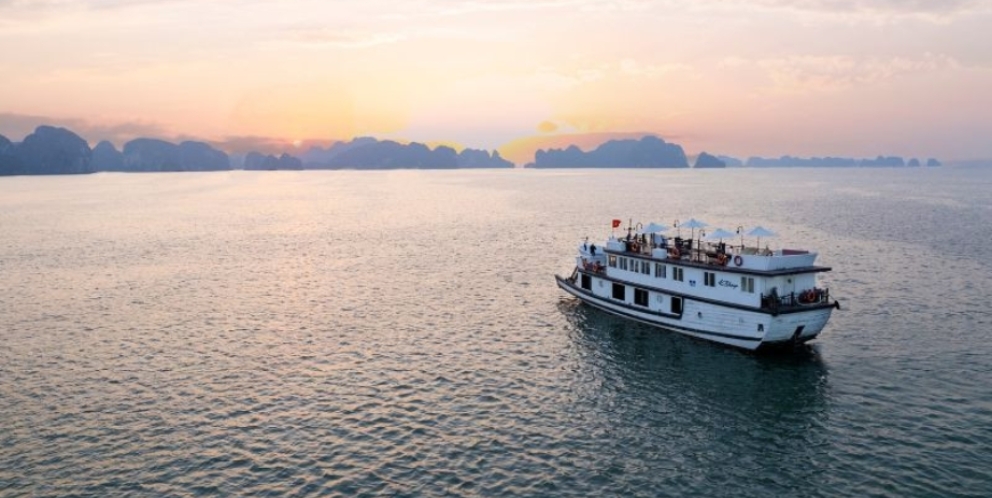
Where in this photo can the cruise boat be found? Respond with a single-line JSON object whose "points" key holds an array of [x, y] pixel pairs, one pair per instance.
{"points": [[741, 296]]}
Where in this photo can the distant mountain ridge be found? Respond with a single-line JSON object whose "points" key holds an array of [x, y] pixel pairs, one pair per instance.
{"points": [[370, 153], [47, 151], [54, 150], [51, 150], [257, 161], [835, 162], [648, 152], [705, 161]]}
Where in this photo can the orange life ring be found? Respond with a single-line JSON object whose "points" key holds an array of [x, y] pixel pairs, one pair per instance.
{"points": [[738, 260], [674, 253], [722, 259]]}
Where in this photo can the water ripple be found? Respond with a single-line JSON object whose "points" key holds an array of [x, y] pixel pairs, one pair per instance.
{"points": [[346, 333]]}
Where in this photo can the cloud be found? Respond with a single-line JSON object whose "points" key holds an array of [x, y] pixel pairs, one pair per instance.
{"points": [[322, 36], [892, 6], [873, 11], [547, 127], [842, 7], [17, 126], [805, 74]]}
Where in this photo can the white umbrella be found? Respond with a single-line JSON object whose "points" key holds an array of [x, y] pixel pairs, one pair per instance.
{"points": [[719, 234], [654, 228], [760, 232], [693, 224]]}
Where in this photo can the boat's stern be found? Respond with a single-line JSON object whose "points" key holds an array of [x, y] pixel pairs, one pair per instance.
{"points": [[796, 328]]}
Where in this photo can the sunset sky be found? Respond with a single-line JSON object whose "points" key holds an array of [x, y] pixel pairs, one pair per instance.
{"points": [[762, 77]]}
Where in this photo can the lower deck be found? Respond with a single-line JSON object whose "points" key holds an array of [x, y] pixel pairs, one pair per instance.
{"points": [[735, 325]]}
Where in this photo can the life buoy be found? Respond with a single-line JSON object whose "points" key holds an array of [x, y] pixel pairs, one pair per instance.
{"points": [[722, 259], [674, 253], [738, 260]]}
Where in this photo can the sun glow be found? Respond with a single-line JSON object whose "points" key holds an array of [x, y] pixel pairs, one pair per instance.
{"points": [[726, 77]]}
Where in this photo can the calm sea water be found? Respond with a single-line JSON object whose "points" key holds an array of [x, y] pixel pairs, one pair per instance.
{"points": [[400, 333]]}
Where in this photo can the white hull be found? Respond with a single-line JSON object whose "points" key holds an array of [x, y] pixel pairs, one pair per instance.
{"points": [[733, 325]]}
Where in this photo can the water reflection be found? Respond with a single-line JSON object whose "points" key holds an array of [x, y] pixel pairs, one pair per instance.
{"points": [[689, 399]]}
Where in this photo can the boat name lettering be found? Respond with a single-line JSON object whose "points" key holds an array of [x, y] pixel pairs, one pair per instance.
{"points": [[728, 283]]}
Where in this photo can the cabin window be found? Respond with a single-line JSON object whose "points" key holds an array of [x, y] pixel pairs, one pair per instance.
{"points": [[619, 292], [641, 297], [709, 279], [613, 261], [747, 284], [645, 267], [677, 305], [678, 273], [586, 282], [623, 263], [660, 270]]}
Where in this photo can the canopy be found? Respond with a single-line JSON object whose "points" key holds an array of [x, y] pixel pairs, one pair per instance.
{"points": [[761, 232], [693, 223], [654, 228], [720, 234]]}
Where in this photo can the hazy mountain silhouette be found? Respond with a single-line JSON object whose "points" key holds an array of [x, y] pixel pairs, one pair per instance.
{"points": [[388, 154], [370, 153], [827, 162], [150, 154], [731, 162], [648, 152], [53, 150], [321, 157], [199, 156], [256, 161], [789, 161], [47, 151], [891, 162], [913, 163], [8, 163], [106, 157], [477, 158], [708, 161]]}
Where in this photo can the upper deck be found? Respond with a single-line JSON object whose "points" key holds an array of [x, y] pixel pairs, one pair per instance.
{"points": [[741, 276], [734, 259]]}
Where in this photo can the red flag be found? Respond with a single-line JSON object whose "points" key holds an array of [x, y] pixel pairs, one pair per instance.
{"points": [[616, 223]]}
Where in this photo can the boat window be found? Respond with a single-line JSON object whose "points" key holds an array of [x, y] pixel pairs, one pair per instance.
{"points": [[619, 292], [709, 279], [623, 263], [641, 297], [747, 284], [678, 274], [613, 261], [677, 305], [645, 267], [586, 282], [660, 270]]}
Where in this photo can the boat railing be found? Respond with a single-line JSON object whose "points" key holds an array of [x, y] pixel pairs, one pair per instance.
{"points": [[593, 266], [773, 301], [681, 249]]}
